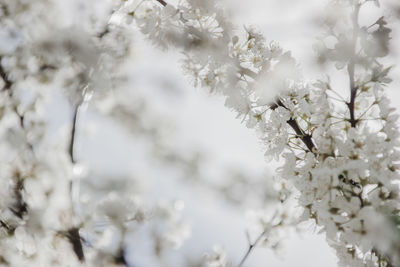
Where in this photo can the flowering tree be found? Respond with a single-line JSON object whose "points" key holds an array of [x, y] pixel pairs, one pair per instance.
{"points": [[339, 147]]}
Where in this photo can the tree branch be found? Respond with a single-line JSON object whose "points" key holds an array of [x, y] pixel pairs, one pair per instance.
{"points": [[76, 242], [162, 2], [73, 233], [351, 68], [20, 207], [304, 137], [7, 87]]}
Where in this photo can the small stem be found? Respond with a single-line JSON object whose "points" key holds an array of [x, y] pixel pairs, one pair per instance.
{"points": [[365, 111], [336, 93], [251, 248], [73, 133]]}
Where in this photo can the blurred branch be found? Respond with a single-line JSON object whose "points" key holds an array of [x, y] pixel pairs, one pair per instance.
{"points": [[73, 233], [10, 229], [4, 76], [7, 87], [20, 207]]}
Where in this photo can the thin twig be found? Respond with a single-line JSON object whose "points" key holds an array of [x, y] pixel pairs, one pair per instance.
{"points": [[251, 247], [73, 133], [336, 99], [336, 93], [365, 112], [73, 233]]}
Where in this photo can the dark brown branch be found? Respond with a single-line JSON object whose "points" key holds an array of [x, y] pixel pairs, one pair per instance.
{"points": [[162, 2], [120, 258], [20, 207], [10, 229], [104, 32], [4, 76], [76, 242], [351, 69], [304, 137], [351, 105], [6, 13]]}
